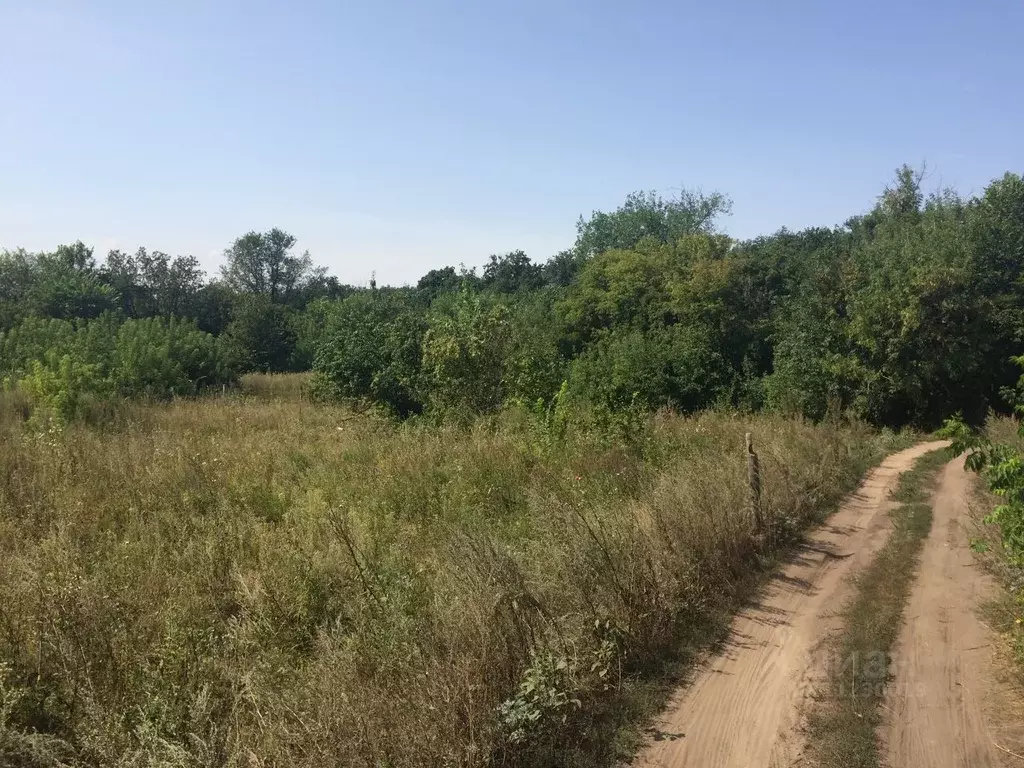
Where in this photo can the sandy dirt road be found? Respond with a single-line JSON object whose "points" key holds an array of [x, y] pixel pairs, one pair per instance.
{"points": [[744, 705], [947, 706]]}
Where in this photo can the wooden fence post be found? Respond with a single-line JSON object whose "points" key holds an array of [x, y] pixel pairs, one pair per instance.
{"points": [[754, 483]]}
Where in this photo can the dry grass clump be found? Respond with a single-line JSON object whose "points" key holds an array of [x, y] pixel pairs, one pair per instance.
{"points": [[257, 582]]}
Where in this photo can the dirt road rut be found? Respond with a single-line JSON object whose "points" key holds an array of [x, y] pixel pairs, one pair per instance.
{"points": [[946, 707], [744, 705]]}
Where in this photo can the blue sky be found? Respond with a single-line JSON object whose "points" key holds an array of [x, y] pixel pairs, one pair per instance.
{"points": [[394, 137]]}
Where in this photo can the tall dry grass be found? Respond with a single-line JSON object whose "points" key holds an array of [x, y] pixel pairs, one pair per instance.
{"points": [[260, 582], [286, 386]]}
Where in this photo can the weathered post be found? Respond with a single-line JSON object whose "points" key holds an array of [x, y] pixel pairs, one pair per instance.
{"points": [[754, 483]]}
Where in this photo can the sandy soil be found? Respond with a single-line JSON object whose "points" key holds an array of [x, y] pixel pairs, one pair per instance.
{"points": [[948, 705], [744, 705]]}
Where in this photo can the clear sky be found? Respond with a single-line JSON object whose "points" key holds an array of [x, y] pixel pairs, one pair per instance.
{"points": [[397, 137]]}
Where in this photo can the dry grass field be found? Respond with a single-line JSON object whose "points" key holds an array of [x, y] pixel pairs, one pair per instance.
{"points": [[257, 580]]}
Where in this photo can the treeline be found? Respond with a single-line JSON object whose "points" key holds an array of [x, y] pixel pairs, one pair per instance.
{"points": [[906, 314], [903, 315], [74, 331]]}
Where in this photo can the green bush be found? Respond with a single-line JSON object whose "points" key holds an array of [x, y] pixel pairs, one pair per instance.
{"points": [[63, 364], [674, 366], [32, 339], [59, 387], [154, 358], [261, 335], [465, 354], [371, 350], [1001, 464]]}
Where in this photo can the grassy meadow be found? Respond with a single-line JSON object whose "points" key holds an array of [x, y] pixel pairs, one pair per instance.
{"points": [[257, 580]]}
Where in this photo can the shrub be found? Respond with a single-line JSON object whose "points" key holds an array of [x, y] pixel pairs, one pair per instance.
{"points": [[261, 334], [1001, 464], [63, 365], [156, 358], [58, 387], [32, 339], [669, 366], [371, 351], [465, 354]]}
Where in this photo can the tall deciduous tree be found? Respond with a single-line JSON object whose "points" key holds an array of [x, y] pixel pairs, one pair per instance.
{"points": [[511, 273], [68, 285], [438, 281], [154, 284], [649, 215], [261, 334], [263, 263]]}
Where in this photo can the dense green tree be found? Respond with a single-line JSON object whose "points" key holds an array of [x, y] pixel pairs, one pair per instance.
{"points": [[645, 287], [995, 226], [813, 367], [512, 273], [309, 326], [261, 334], [536, 367], [263, 263], [154, 284], [212, 307], [465, 354], [371, 351], [68, 285], [620, 287], [909, 287], [561, 269], [675, 366], [438, 281], [18, 275], [320, 286], [649, 215]]}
